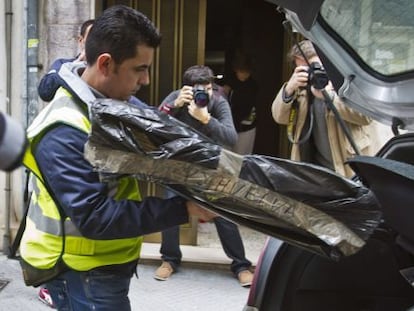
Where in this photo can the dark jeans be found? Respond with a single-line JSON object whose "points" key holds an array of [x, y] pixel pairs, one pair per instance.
{"points": [[230, 239], [91, 290]]}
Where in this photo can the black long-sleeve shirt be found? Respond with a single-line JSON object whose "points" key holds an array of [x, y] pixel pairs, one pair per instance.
{"points": [[242, 98]]}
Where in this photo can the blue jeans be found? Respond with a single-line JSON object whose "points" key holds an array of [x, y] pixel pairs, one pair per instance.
{"points": [[230, 239], [92, 290]]}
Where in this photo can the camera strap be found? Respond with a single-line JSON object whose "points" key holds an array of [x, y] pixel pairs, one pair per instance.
{"points": [[331, 106], [291, 127]]}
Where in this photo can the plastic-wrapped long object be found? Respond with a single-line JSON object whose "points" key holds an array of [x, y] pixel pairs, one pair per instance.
{"points": [[302, 204]]}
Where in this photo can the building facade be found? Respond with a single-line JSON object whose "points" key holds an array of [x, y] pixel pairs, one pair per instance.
{"points": [[34, 33]]}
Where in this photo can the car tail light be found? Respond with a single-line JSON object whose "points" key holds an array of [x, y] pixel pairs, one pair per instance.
{"points": [[253, 287]]}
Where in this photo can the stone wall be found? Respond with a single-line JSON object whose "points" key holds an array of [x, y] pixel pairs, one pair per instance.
{"points": [[59, 27]]}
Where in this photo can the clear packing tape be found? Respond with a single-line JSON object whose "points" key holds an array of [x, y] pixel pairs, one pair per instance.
{"points": [[299, 203]]}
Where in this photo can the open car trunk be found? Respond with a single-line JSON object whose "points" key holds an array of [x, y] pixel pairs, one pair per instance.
{"points": [[365, 47], [378, 277]]}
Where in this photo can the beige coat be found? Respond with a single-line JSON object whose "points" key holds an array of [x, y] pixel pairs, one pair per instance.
{"points": [[362, 129]]}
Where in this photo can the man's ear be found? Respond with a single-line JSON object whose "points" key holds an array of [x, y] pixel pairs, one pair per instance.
{"points": [[105, 63]]}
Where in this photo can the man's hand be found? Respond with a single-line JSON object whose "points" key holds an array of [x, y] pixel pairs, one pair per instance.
{"points": [[184, 97], [298, 79], [195, 209], [198, 113]]}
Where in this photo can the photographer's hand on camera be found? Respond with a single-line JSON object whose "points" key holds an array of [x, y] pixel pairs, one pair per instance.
{"points": [[199, 113], [184, 97], [299, 79]]}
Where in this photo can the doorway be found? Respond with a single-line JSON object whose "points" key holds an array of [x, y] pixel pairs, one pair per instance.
{"points": [[207, 32], [255, 27]]}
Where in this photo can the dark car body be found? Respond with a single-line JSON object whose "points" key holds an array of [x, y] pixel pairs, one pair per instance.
{"points": [[367, 48]]}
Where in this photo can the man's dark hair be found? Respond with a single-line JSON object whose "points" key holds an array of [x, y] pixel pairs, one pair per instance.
{"points": [[198, 74], [85, 26], [118, 31]]}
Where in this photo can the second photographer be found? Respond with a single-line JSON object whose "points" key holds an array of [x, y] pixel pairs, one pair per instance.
{"points": [[312, 127], [202, 107]]}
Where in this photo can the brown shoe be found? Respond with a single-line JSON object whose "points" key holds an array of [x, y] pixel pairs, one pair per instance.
{"points": [[164, 271], [245, 278]]}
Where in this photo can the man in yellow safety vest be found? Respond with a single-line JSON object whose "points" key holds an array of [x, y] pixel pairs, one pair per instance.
{"points": [[83, 236]]}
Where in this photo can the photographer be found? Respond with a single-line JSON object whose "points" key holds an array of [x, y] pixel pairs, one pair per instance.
{"points": [[210, 114], [200, 106], [312, 127]]}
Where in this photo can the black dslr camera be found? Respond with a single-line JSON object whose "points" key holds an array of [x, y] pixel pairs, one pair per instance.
{"points": [[13, 143], [317, 76], [201, 97]]}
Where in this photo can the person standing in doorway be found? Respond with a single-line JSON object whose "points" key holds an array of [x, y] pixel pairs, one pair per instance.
{"points": [[242, 90]]}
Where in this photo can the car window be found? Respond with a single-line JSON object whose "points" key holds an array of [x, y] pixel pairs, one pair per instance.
{"points": [[381, 32]]}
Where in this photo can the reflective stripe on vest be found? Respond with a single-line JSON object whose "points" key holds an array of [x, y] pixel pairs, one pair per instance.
{"points": [[61, 110], [42, 242]]}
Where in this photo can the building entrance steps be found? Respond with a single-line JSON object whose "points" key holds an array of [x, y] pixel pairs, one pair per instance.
{"points": [[208, 249]]}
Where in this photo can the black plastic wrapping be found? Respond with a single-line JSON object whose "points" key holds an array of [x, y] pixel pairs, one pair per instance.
{"points": [[302, 204]]}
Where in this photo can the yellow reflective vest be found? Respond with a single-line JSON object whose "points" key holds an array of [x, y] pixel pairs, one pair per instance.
{"points": [[48, 236]]}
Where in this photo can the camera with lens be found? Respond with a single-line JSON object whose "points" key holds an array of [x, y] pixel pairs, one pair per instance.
{"points": [[317, 76], [201, 97], [13, 143]]}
